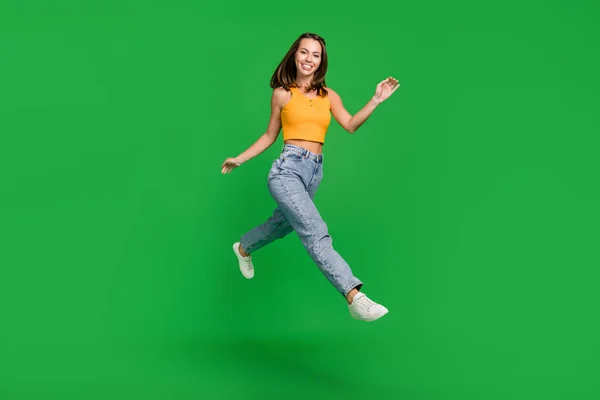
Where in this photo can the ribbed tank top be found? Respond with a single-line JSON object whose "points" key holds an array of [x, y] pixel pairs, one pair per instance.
{"points": [[304, 118]]}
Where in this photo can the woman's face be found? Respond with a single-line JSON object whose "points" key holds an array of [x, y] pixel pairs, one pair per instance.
{"points": [[308, 57]]}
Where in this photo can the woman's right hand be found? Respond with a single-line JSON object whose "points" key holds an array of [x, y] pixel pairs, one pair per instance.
{"points": [[229, 164]]}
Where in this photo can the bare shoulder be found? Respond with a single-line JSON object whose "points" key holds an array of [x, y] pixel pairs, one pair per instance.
{"points": [[332, 94], [281, 96]]}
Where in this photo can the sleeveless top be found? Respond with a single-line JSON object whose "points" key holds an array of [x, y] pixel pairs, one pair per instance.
{"points": [[304, 118]]}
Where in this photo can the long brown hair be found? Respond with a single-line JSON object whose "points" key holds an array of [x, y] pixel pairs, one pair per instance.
{"points": [[285, 73]]}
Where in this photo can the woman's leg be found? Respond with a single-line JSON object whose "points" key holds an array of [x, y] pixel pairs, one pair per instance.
{"points": [[298, 208], [276, 227]]}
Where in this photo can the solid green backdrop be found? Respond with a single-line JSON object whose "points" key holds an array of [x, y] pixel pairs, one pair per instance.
{"points": [[468, 203]]}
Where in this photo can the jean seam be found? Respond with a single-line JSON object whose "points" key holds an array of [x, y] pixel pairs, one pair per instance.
{"points": [[312, 235]]}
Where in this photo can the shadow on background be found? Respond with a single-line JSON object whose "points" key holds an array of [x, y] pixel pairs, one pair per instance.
{"points": [[277, 368]]}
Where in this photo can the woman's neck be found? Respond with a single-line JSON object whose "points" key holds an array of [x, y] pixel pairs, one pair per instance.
{"points": [[303, 83]]}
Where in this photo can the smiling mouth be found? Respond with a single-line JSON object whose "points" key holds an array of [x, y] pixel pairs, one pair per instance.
{"points": [[306, 66]]}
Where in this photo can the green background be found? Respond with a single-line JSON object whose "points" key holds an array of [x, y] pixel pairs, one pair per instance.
{"points": [[468, 203]]}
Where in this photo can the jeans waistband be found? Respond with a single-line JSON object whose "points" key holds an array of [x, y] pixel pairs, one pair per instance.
{"points": [[303, 152]]}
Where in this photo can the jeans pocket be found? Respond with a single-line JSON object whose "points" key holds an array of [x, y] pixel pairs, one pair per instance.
{"points": [[292, 156]]}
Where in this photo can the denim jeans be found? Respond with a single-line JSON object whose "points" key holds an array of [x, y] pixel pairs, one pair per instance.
{"points": [[293, 182]]}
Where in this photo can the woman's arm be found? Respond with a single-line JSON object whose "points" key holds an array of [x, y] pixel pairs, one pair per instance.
{"points": [[279, 98], [352, 122]]}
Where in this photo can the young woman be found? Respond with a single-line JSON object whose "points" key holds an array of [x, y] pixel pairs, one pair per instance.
{"points": [[301, 106]]}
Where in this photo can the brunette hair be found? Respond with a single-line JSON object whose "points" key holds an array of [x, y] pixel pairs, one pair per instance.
{"points": [[285, 73]]}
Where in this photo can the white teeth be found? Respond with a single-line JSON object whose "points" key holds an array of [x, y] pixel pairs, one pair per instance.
{"points": [[306, 66]]}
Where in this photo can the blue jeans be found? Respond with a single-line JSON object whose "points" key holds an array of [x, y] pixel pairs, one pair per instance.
{"points": [[293, 182]]}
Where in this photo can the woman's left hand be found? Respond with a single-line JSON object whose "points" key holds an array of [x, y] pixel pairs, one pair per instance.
{"points": [[385, 89]]}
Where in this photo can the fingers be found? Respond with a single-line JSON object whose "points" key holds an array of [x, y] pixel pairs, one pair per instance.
{"points": [[392, 82], [389, 83], [228, 165]]}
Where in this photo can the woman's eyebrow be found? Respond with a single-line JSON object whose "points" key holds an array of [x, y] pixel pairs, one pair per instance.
{"points": [[304, 48]]}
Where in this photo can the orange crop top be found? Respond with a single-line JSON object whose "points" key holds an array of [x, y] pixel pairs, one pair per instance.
{"points": [[304, 118]]}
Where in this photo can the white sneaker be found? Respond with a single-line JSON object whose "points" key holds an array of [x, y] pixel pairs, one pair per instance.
{"points": [[364, 309], [246, 266]]}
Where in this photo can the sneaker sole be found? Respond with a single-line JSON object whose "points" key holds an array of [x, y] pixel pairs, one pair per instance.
{"points": [[371, 319]]}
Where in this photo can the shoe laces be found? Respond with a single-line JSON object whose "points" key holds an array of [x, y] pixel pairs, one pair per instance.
{"points": [[365, 302], [248, 261]]}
